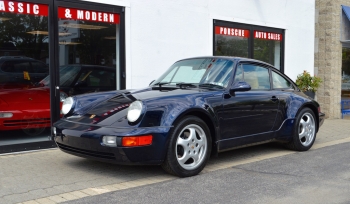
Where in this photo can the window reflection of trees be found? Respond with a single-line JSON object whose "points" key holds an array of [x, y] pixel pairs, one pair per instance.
{"points": [[264, 50], [231, 46], [94, 46], [15, 30]]}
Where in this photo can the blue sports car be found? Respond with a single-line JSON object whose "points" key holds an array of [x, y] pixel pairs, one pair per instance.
{"points": [[198, 107]]}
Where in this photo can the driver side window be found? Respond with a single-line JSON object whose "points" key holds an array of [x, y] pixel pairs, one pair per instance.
{"points": [[256, 76]]}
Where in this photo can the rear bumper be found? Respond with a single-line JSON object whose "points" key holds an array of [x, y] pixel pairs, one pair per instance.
{"points": [[321, 118]]}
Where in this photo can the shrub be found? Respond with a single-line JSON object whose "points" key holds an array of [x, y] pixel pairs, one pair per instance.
{"points": [[306, 82]]}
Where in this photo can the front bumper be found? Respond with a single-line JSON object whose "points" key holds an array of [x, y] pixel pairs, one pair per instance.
{"points": [[86, 141], [321, 118]]}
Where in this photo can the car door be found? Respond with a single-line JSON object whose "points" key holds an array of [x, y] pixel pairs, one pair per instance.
{"points": [[248, 116]]}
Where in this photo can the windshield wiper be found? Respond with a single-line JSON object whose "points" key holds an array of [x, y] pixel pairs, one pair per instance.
{"points": [[185, 85], [210, 85]]}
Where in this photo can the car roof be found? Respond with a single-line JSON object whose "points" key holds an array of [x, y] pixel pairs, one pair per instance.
{"points": [[232, 58]]}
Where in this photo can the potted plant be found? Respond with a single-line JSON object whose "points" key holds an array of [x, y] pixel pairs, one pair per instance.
{"points": [[308, 84]]}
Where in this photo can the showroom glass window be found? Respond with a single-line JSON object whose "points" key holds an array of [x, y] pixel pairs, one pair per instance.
{"points": [[231, 41], [251, 41], [267, 47], [345, 74], [24, 58], [88, 39]]}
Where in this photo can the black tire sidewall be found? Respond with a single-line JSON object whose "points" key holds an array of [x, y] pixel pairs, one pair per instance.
{"points": [[171, 153]]}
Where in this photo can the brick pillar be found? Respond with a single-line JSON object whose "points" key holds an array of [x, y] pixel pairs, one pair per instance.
{"points": [[328, 55]]}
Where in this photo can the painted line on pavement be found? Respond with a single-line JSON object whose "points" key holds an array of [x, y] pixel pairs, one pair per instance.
{"points": [[157, 179]]}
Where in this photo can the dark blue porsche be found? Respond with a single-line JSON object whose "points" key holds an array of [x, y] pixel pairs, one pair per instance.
{"points": [[198, 107]]}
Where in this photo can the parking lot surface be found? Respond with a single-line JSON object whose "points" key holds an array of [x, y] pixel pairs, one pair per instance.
{"points": [[51, 176]]}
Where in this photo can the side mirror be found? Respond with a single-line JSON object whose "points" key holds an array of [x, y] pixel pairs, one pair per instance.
{"points": [[240, 86]]}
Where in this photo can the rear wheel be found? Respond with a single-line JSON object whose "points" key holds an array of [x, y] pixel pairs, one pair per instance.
{"points": [[304, 133], [189, 147]]}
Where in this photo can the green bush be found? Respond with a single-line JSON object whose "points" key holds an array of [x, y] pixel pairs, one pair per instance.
{"points": [[306, 82]]}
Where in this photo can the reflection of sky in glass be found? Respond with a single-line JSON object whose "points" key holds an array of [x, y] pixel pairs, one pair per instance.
{"points": [[67, 75], [214, 71]]}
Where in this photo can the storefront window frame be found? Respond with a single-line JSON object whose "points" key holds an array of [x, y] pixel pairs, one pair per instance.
{"points": [[251, 29], [54, 61]]}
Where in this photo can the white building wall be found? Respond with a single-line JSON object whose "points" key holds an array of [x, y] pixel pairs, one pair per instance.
{"points": [[159, 32]]}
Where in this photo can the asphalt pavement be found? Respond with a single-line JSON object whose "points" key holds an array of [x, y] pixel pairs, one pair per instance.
{"points": [[319, 176], [52, 176]]}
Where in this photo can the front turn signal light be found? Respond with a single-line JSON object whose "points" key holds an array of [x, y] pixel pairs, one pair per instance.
{"points": [[135, 141]]}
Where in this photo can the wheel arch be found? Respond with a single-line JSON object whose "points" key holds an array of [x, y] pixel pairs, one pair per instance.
{"points": [[208, 120], [314, 110]]}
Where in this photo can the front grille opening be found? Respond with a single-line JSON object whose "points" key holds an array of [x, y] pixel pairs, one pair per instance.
{"points": [[103, 155]]}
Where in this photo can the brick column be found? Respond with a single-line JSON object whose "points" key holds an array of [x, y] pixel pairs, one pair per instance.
{"points": [[328, 55]]}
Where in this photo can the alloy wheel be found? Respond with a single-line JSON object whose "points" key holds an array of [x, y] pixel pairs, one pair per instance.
{"points": [[307, 129], [191, 147]]}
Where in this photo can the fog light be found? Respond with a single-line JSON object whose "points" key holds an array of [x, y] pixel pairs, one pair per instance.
{"points": [[6, 115], [54, 130], [137, 141], [110, 141]]}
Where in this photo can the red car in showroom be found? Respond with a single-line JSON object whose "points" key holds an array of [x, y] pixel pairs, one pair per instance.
{"points": [[27, 106]]}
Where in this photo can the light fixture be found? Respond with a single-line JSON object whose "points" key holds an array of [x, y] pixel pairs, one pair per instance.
{"points": [[38, 32], [69, 43], [110, 37], [82, 26], [4, 19]]}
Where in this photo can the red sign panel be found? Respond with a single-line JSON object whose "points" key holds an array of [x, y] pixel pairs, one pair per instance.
{"points": [[267, 35], [24, 8], [219, 30], [86, 15]]}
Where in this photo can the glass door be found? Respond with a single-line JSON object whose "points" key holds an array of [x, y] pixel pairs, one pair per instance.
{"points": [[89, 44], [24, 63]]}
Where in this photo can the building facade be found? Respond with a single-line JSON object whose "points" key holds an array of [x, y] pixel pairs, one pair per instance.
{"points": [[332, 54], [50, 49]]}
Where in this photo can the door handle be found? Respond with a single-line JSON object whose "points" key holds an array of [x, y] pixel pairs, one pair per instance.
{"points": [[274, 98]]}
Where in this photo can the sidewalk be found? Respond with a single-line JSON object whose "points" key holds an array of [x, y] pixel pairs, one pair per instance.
{"points": [[51, 176]]}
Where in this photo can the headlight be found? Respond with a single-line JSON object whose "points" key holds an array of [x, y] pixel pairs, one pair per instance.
{"points": [[134, 111], [63, 96], [67, 105]]}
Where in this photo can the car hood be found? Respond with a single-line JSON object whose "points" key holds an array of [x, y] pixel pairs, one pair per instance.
{"points": [[107, 108], [26, 96]]}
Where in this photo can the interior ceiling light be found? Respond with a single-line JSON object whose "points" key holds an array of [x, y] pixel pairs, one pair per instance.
{"points": [[38, 32], [82, 26], [64, 34], [110, 37], [4, 19], [69, 43]]}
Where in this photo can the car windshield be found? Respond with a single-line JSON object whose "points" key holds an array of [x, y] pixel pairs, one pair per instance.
{"points": [[203, 72], [67, 75]]}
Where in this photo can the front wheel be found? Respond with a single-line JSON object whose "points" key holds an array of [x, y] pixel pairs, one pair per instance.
{"points": [[304, 132], [189, 147]]}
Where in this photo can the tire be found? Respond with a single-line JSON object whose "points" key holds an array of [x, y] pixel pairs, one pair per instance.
{"points": [[189, 147], [304, 131]]}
